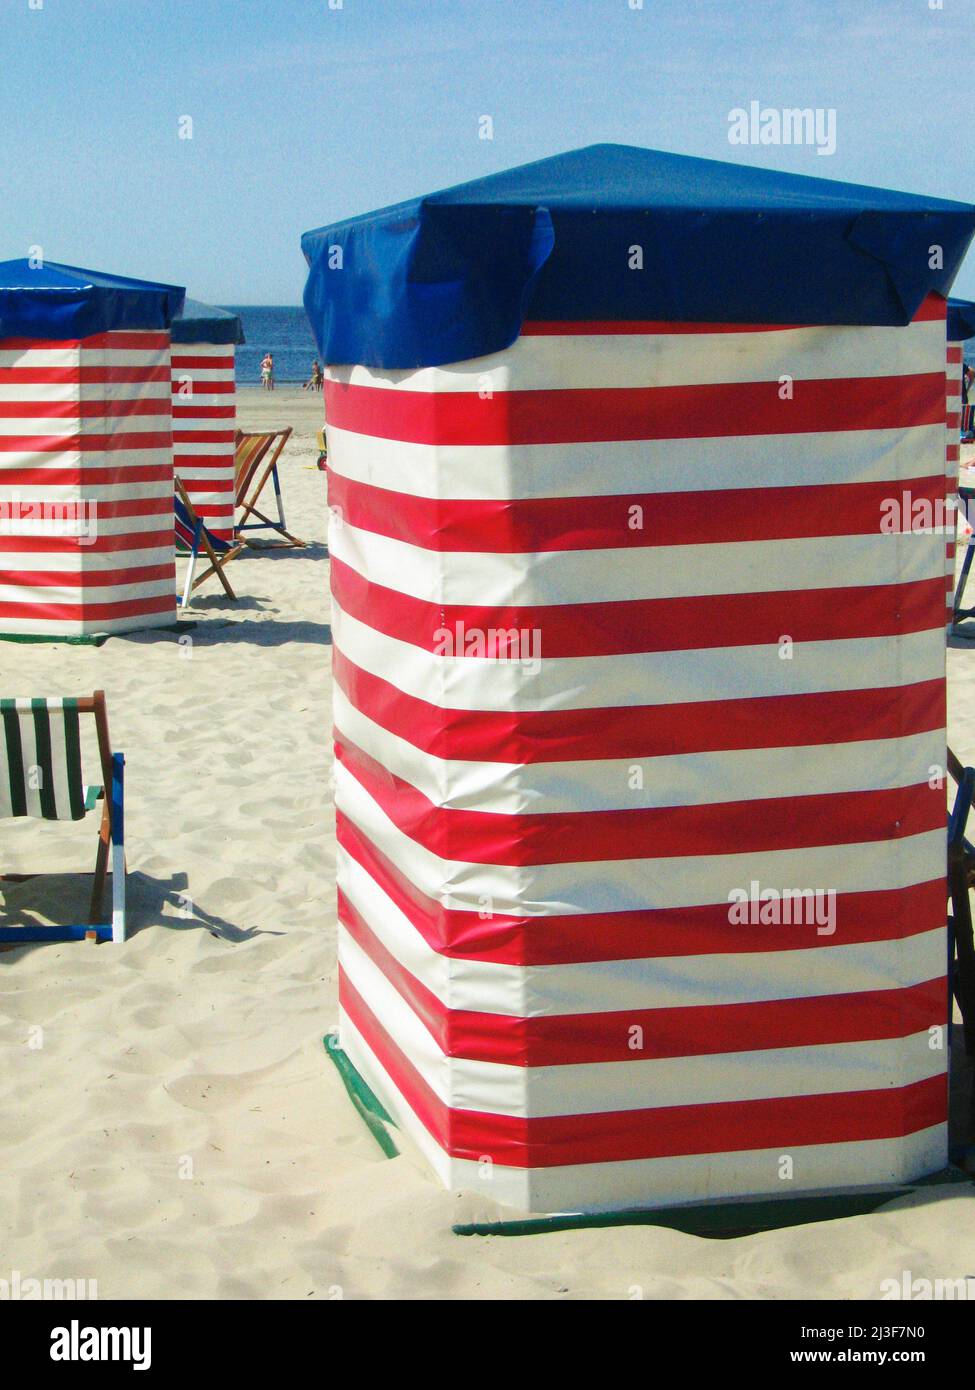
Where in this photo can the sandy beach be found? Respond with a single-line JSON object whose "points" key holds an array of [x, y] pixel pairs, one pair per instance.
{"points": [[173, 1126]]}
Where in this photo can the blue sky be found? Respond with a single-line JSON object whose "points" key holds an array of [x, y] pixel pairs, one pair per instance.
{"points": [[304, 113]]}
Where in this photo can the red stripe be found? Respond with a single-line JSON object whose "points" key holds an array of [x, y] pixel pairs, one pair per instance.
{"points": [[203, 388], [84, 443], [643, 731], [934, 307], [203, 436], [885, 914], [716, 410], [76, 579], [203, 412], [654, 832], [126, 341], [75, 375], [90, 612], [85, 474], [692, 1031], [84, 410], [546, 328], [643, 625], [114, 338], [955, 355], [530, 525], [131, 540], [183, 360], [659, 1132], [205, 483]]}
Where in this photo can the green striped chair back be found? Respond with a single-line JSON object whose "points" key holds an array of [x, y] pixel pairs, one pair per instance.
{"points": [[40, 760]]}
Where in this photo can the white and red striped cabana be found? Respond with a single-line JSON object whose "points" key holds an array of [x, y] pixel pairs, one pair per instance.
{"points": [[205, 410], [622, 637], [86, 462]]}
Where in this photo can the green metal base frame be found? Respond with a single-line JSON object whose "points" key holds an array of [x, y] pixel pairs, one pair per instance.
{"points": [[365, 1100], [718, 1220], [96, 639], [83, 640], [710, 1221]]}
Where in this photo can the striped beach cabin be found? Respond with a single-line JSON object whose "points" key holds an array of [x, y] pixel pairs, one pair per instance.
{"points": [[640, 676], [205, 410], [86, 452]]}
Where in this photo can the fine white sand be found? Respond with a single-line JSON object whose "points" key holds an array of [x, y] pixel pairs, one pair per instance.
{"points": [[170, 1124]]}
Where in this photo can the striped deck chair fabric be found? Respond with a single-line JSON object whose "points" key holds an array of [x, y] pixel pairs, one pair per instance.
{"points": [[256, 462], [192, 534], [40, 760], [42, 775]]}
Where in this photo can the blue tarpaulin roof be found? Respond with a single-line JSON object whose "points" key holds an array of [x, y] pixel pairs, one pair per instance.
{"points": [[64, 301], [204, 323], [961, 320], [453, 275]]}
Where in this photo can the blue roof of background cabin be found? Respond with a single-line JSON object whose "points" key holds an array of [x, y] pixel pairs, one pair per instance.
{"points": [[64, 301], [961, 320], [452, 275], [205, 323]]}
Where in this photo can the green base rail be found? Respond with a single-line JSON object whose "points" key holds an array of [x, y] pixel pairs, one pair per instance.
{"points": [[710, 1221]]}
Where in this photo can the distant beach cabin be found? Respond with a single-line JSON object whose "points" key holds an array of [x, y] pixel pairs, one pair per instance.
{"points": [[640, 713], [205, 410], [86, 452]]}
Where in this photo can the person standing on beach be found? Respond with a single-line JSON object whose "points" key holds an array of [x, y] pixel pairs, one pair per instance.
{"points": [[267, 372], [314, 382]]}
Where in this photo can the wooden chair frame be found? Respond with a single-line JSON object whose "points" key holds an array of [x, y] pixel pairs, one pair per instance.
{"points": [[961, 880], [201, 537], [250, 481]]}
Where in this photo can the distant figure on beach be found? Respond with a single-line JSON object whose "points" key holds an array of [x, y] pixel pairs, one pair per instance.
{"points": [[267, 372], [967, 381], [314, 382]]}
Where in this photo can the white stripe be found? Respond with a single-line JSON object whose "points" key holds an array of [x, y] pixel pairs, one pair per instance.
{"points": [[495, 580], [66, 561], [24, 594], [602, 1087], [62, 627], [41, 428], [476, 471], [625, 784], [659, 1182], [614, 986], [599, 361], [622, 885], [642, 678]]}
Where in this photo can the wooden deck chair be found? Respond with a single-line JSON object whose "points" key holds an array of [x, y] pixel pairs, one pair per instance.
{"points": [[961, 879], [255, 461], [191, 534], [41, 776], [966, 497]]}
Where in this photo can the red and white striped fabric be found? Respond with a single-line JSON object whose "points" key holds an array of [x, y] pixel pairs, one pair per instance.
{"points": [[86, 485], [204, 430], [953, 376], [731, 681]]}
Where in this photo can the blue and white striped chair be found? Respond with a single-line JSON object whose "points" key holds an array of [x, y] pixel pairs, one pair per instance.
{"points": [[41, 775], [191, 535]]}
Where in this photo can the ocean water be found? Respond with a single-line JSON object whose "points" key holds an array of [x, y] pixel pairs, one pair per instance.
{"points": [[281, 329]]}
